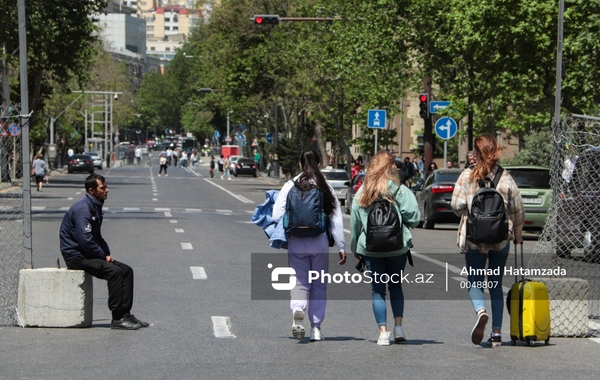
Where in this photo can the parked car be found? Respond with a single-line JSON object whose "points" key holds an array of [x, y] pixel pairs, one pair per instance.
{"points": [[435, 197], [81, 163], [96, 159], [243, 165], [534, 185], [578, 208], [337, 179], [352, 189]]}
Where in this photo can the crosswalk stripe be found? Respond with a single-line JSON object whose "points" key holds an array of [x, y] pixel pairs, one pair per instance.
{"points": [[179, 230], [187, 246], [198, 273], [224, 211], [131, 209], [222, 327]]}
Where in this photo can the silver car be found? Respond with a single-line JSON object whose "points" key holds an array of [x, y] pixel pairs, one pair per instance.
{"points": [[96, 159], [337, 178]]}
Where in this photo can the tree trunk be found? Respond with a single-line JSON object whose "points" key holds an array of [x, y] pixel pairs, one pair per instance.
{"points": [[321, 143]]}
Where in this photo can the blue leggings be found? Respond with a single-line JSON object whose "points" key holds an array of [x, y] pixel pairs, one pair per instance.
{"points": [[496, 260], [390, 266]]}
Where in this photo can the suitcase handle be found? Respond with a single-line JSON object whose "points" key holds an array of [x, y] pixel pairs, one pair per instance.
{"points": [[522, 263]]}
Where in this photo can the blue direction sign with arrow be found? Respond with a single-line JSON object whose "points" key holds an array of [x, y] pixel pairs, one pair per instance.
{"points": [[376, 119], [436, 105], [269, 138], [446, 128]]}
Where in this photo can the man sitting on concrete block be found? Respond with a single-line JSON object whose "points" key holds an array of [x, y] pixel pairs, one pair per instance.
{"points": [[83, 247]]}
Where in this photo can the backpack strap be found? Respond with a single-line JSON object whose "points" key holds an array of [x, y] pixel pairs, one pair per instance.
{"points": [[497, 176]]}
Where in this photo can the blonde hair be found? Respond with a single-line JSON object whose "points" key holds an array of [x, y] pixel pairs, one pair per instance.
{"points": [[381, 170], [487, 153]]}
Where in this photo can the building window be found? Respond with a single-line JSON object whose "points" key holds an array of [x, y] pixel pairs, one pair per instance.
{"points": [[175, 28], [168, 49], [143, 3], [152, 48], [167, 28], [167, 19]]}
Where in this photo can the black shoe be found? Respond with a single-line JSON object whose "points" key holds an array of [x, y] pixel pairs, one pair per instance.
{"points": [[495, 340], [133, 319], [124, 324]]}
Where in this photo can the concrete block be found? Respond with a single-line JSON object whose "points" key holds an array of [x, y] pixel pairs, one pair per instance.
{"points": [[569, 305], [50, 297]]}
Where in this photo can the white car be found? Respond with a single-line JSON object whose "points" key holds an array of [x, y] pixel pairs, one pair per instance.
{"points": [[337, 178], [96, 159]]}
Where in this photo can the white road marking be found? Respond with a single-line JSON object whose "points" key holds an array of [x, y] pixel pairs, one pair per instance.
{"points": [[179, 230], [224, 211], [162, 209], [131, 209], [250, 212], [173, 221], [70, 198], [155, 194], [77, 193], [198, 273], [238, 197], [168, 214], [187, 246], [193, 210], [154, 199], [245, 221], [222, 327], [38, 208], [65, 208]]}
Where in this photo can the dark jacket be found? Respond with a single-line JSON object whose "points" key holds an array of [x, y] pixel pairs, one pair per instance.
{"points": [[80, 231]]}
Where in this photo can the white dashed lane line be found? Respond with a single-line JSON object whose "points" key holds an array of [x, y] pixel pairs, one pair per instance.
{"points": [[168, 214], [187, 246], [179, 230], [173, 221], [224, 211], [198, 273], [222, 327], [162, 209], [238, 197]]}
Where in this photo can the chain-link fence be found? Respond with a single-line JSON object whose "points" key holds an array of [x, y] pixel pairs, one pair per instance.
{"points": [[11, 214], [570, 240]]}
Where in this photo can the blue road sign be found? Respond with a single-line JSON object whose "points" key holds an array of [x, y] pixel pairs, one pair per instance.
{"points": [[15, 130], [217, 134], [269, 138], [436, 105], [376, 119], [446, 128], [244, 143]]}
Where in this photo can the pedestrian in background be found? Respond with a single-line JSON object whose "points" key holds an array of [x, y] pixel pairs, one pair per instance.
{"points": [[220, 163], [211, 169], [169, 156], [163, 164], [226, 168], [194, 159], [39, 169], [381, 181], [487, 155], [449, 165], [311, 253]]}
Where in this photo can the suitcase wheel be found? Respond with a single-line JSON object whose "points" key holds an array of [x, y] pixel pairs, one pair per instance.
{"points": [[513, 342], [547, 342], [531, 343]]}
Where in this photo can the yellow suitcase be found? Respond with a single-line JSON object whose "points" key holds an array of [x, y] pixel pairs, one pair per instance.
{"points": [[529, 310]]}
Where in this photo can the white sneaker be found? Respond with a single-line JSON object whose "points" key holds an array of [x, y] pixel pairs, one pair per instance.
{"points": [[399, 336], [297, 328], [159, 175], [316, 335], [384, 339]]}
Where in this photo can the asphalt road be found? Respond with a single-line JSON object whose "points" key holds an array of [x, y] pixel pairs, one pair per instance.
{"points": [[194, 254]]}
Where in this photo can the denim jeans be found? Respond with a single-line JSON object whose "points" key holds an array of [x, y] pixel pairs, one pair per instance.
{"points": [[496, 259], [390, 266]]}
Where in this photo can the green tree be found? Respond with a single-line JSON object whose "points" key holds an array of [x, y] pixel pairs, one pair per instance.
{"points": [[537, 149]]}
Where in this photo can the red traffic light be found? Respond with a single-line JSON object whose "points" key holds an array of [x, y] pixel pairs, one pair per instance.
{"points": [[423, 98], [266, 19]]}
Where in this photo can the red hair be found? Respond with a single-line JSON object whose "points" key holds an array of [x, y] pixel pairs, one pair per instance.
{"points": [[487, 153]]}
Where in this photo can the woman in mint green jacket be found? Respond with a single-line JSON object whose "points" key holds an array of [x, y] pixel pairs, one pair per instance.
{"points": [[382, 180]]}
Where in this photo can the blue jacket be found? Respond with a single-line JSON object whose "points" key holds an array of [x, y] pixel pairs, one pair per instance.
{"points": [[263, 217], [80, 231]]}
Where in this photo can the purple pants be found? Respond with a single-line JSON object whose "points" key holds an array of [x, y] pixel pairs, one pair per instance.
{"points": [[306, 254]]}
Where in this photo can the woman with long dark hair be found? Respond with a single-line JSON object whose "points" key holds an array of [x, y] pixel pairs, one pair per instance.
{"points": [[382, 181], [310, 253], [487, 154]]}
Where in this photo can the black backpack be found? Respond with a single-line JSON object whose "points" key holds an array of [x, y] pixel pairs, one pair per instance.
{"points": [[487, 222], [384, 227], [305, 213]]}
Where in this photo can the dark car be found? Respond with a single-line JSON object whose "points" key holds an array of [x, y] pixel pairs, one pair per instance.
{"points": [[435, 196], [578, 207], [81, 163], [243, 165], [353, 187]]}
